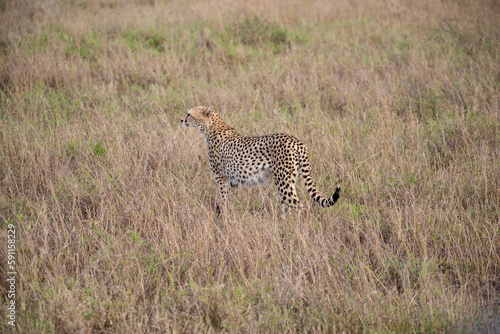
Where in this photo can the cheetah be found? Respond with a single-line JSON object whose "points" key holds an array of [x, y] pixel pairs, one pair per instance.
{"points": [[250, 161]]}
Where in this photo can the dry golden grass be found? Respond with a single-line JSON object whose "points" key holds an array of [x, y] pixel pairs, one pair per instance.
{"points": [[113, 201]]}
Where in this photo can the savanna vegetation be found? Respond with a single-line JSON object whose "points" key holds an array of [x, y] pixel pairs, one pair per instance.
{"points": [[113, 202]]}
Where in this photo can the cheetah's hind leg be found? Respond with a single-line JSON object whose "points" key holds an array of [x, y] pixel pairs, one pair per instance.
{"points": [[285, 182]]}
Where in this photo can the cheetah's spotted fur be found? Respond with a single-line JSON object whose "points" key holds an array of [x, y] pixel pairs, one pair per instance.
{"points": [[248, 161]]}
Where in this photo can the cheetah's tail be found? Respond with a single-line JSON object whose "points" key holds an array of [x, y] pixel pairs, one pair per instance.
{"points": [[311, 185]]}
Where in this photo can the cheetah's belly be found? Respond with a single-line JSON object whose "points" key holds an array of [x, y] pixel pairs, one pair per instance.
{"points": [[256, 178]]}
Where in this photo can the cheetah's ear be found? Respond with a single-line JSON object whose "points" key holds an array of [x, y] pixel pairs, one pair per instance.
{"points": [[210, 109], [206, 111]]}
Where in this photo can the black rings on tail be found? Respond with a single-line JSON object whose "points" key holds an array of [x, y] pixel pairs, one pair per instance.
{"points": [[311, 186]]}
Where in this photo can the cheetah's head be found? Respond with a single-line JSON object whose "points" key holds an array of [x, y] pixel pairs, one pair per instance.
{"points": [[198, 117]]}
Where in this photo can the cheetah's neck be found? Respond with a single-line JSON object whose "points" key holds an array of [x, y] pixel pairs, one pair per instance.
{"points": [[219, 131]]}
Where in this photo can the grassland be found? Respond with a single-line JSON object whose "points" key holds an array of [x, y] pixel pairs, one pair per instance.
{"points": [[113, 202]]}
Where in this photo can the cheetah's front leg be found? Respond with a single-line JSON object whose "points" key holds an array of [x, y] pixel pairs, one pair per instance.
{"points": [[223, 189]]}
